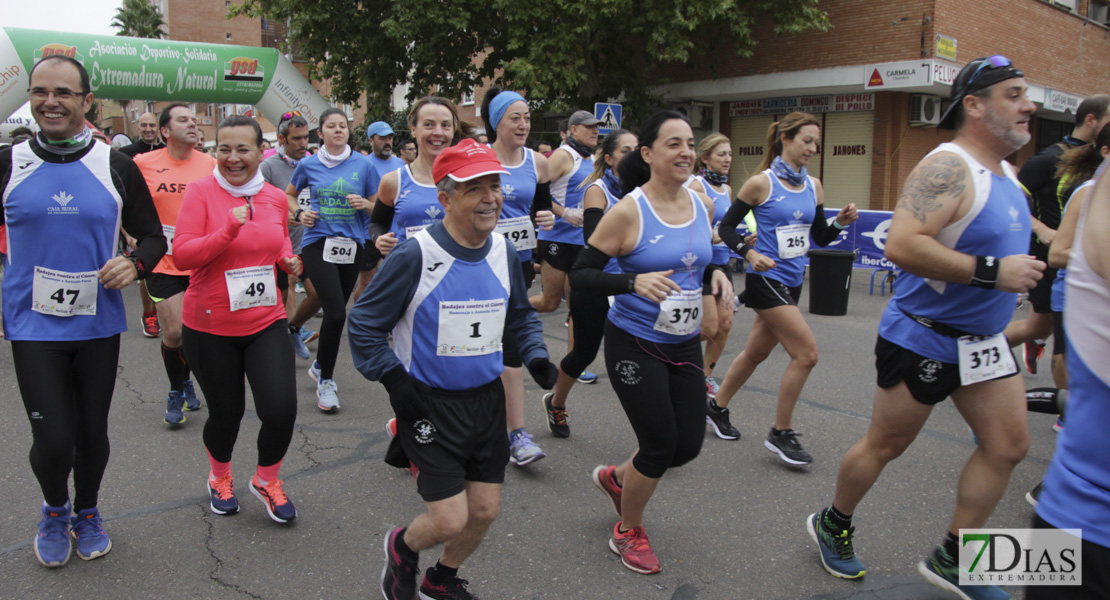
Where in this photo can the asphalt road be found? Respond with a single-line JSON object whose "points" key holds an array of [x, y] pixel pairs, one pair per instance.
{"points": [[730, 525]]}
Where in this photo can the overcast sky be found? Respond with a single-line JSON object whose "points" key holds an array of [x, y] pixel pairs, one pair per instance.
{"points": [[80, 16]]}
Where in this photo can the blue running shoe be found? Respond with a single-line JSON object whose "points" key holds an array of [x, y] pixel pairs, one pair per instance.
{"points": [[88, 532], [308, 335], [314, 371], [522, 450], [587, 377], [948, 579], [278, 505], [837, 554], [190, 395], [298, 345], [52, 544], [174, 416], [222, 492]]}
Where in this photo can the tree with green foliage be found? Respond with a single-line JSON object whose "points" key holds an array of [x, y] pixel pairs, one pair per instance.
{"points": [[565, 53], [139, 18]]}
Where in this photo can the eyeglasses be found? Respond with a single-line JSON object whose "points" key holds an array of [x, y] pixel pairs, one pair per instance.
{"points": [[61, 94], [289, 115], [993, 62]]}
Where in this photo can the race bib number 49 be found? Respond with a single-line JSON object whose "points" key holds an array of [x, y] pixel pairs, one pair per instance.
{"points": [[250, 287], [519, 231], [470, 328], [983, 358], [63, 294]]}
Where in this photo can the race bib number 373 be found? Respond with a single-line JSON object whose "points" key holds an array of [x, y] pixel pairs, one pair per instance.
{"points": [[984, 358], [63, 294]]}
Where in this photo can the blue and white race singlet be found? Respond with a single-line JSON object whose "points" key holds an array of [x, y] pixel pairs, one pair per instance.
{"points": [[566, 191], [518, 189], [783, 220], [415, 207]]}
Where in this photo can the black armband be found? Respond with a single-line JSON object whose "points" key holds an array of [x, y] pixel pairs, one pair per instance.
{"points": [[743, 250], [590, 218], [381, 219], [986, 272], [820, 231], [732, 218], [587, 275], [541, 200], [707, 277]]}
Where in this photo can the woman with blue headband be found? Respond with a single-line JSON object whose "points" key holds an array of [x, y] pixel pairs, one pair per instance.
{"points": [[508, 122]]}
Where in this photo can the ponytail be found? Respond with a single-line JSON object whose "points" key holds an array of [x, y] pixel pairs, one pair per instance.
{"points": [[789, 127]]}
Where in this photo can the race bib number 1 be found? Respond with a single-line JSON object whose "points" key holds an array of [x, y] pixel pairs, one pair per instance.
{"points": [[983, 358], [519, 231], [793, 240], [680, 313], [470, 328], [250, 287], [62, 294], [339, 250]]}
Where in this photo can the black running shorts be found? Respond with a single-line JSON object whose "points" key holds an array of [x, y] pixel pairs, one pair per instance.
{"points": [[161, 286], [761, 291], [929, 381], [461, 438], [558, 255]]}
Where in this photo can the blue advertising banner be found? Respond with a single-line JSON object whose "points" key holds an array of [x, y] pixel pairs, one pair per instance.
{"points": [[867, 236]]}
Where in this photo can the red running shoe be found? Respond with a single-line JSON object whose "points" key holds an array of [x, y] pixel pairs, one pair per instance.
{"points": [[151, 328], [1032, 352], [604, 477], [635, 550]]}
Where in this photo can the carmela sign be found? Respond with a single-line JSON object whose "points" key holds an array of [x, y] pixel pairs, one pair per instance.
{"points": [[810, 104], [912, 73]]}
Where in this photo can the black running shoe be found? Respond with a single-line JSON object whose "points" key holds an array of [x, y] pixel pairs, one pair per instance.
{"points": [[718, 418], [452, 589], [785, 444], [399, 574], [556, 417]]}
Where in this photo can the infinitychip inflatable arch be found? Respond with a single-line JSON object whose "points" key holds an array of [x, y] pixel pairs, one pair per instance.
{"points": [[126, 68]]}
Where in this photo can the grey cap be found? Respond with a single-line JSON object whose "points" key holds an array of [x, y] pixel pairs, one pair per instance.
{"points": [[582, 117]]}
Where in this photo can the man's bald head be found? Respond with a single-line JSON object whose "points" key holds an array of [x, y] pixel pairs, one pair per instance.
{"points": [[148, 128]]}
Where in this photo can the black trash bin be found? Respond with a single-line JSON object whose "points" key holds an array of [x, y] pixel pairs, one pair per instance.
{"points": [[830, 278]]}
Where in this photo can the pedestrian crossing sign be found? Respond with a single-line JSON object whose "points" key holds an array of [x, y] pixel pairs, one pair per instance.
{"points": [[609, 115]]}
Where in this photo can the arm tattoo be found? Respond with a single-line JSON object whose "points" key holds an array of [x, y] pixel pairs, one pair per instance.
{"points": [[944, 177]]}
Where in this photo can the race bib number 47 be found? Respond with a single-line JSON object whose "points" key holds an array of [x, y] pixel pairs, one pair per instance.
{"points": [[470, 328], [63, 294]]}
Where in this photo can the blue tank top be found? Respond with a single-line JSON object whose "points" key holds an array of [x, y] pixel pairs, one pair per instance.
{"points": [[721, 204], [1077, 485], [63, 224], [518, 189], [783, 220], [998, 225], [566, 191], [450, 334], [1060, 283], [415, 207], [610, 202], [687, 248], [329, 188]]}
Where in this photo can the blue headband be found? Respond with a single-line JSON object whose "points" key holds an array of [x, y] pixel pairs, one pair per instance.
{"points": [[501, 102]]}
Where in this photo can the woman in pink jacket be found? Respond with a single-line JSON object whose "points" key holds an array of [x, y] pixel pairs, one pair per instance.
{"points": [[230, 233]]}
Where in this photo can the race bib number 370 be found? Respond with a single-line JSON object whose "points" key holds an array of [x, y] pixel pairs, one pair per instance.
{"points": [[63, 294], [470, 328], [680, 313]]}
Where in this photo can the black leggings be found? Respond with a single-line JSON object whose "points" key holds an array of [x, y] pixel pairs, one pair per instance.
{"points": [[662, 390], [67, 391], [266, 358], [588, 313], [334, 284]]}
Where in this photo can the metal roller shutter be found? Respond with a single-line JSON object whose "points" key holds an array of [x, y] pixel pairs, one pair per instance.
{"points": [[846, 148], [749, 141]]}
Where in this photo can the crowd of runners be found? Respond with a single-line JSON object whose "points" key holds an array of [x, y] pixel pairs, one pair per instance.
{"points": [[637, 233]]}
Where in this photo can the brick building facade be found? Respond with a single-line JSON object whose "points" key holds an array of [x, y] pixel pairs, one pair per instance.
{"points": [[873, 136]]}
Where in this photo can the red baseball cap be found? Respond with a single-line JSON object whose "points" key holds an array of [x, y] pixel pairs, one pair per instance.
{"points": [[465, 161]]}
